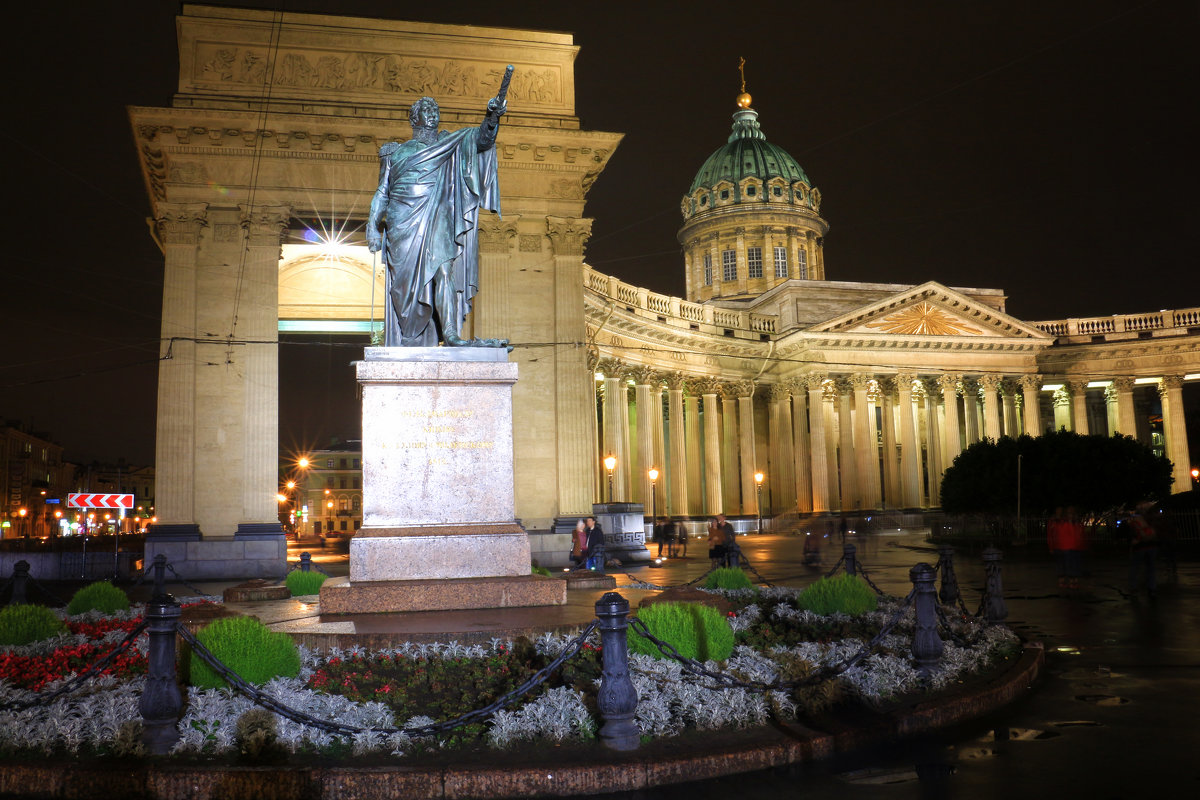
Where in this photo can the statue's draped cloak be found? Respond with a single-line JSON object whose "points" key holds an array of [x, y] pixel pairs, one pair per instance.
{"points": [[434, 194]]}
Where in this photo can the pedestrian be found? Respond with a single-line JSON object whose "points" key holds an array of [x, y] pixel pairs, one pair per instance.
{"points": [[729, 552], [1053, 534], [1143, 552], [594, 551], [659, 535], [716, 543], [812, 549], [578, 544], [1071, 543]]}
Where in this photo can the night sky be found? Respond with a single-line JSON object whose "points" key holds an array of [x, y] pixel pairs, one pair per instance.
{"points": [[1046, 149]]}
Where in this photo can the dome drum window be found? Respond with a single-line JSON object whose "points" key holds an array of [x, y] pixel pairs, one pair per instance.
{"points": [[729, 265]]}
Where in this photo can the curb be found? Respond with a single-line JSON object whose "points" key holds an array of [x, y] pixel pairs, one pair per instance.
{"points": [[607, 772]]}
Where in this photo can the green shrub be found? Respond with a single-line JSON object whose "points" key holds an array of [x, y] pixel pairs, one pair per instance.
{"points": [[24, 624], [300, 582], [695, 630], [536, 570], [845, 593], [728, 578], [246, 646], [101, 596]]}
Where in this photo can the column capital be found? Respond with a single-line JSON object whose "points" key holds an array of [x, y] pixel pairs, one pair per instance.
{"points": [[1062, 397], [780, 393], [495, 233], [1031, 383], [1172, 382], [887, 385], [264, 225], [568, 235], [643, 375], [735, 389], [1124, 384], [932, 386], [611, 367], [990, 382], [180, 223], [860, 380], [704, 386], [905, 381], [949, 382], [675, 381], [814, 380], [1077, 387]]}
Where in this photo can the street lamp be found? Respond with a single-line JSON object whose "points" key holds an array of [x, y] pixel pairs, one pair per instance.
{"points": [[610, 463], [758, 479], [652, 474], [21, 513]]}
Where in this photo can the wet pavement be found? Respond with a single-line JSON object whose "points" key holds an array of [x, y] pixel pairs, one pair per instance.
{"points": [[1115, 715]]}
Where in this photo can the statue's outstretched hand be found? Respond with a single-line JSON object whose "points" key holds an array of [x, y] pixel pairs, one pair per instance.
{"points": [[497, 108]]}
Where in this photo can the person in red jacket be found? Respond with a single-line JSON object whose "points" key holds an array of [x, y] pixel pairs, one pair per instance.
{"points": [[1053, 535], [1071, 544]]}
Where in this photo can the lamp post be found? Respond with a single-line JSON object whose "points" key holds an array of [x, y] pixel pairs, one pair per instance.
{"points": [[758, 479], [652, 474], [610, 463]]}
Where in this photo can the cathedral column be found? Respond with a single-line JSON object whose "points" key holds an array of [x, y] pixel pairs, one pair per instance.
{"points": [[1078, 392], [1009, 404], [678, 496], [970, 393], [616, 427], [490, 309], [642, 378], [256, 323], [178, 226], [951, 444], [818, 434], [852, 498], [692, 451], [746, 451], [933, 443], [828, 407], [990, 384], [783, 459], [572, 381], [1062, 409], [891, 465], [1126, 418], [1111, 411], [1170, 391], [1031, 387], [801, 447], [731, 502], [713, 493], [659, 451], [910, 456], [865, 451]]}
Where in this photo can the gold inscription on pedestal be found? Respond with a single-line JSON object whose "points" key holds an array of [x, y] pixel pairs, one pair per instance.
{"points": [[436, 425]]}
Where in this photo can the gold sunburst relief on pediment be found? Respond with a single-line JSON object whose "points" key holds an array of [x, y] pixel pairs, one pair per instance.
{"points": [[924, 319]]}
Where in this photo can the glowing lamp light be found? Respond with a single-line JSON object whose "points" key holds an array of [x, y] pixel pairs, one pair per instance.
{"points": [[758, 477], [302, 462], [610, 463], [653, 474]]}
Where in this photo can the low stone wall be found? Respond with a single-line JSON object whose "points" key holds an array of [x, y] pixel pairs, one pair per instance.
{"points": [[72, 566], [223, 559], [550, 550]]}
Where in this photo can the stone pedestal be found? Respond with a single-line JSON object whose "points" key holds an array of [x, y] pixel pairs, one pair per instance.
{"points": [[439, 529]]}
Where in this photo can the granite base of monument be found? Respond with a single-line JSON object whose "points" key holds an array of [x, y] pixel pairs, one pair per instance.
{"points": [[439, 529]]}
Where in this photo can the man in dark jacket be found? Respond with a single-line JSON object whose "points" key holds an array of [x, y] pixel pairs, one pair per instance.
{"points": [[595, 544]]}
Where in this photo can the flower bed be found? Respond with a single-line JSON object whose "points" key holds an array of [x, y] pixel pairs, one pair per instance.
{"points": [[416, 684]]}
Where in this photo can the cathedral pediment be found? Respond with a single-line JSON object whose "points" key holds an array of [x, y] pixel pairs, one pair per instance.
{"points": [[929, 310]]}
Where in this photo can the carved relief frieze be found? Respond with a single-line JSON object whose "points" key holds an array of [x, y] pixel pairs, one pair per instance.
{"points": [[531, 243], [924, 318]]}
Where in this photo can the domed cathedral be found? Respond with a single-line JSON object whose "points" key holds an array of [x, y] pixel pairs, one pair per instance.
{"points": [[770, 390], [751, 217]]}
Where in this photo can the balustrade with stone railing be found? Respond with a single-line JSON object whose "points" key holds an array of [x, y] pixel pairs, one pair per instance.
{"points": [[1167, 319], [745, 323]]}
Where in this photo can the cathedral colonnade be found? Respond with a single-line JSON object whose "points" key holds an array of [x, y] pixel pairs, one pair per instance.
{"points": [[851, 442]]}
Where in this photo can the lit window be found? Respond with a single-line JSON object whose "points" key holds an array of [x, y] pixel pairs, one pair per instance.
{"points": [[708, 269], [329, 464], [781, 261], [750, 190], [754, 262], [802, 264], [728, 265]]}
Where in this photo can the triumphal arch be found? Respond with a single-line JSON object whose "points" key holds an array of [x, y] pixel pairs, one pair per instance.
{"points": [[772, 387], [260, 175]]}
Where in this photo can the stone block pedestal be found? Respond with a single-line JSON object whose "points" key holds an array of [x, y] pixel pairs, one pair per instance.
{"points": [[439, 529]]}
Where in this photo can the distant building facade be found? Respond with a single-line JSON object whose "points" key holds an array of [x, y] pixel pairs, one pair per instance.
{"points": [[35, 481]]}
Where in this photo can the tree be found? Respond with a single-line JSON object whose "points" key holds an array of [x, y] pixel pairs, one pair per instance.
{"points": [[1092, 473]]}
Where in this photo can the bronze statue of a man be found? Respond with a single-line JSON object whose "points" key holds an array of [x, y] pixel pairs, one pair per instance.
{"points": [[425, 217]]}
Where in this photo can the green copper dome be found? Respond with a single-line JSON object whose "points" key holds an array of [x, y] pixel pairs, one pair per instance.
{"points": [[747, 154]]}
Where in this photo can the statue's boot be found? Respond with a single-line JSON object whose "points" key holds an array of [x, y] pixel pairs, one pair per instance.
{"points": [[448, 312]]}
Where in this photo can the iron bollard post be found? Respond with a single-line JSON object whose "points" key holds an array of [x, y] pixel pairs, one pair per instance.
{"points": [[161, 701], [927, 645], [617, 698], [949, 593], [306, 562], [160, 575], [994, 608], [20, 582], [848, 551]]}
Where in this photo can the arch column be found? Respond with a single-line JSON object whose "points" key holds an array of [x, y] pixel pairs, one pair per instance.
{"points": [[746, 450], [642, 378], [730, 450], [490, 309], [829, 396], [256, 316], [852, 498], [951, 444], [1077, 389], [891, 464], [933, 447], [1008, 404], [179, 226], [970, 394], [1031, 387], [713, 493], [616, 427], [866, 454], [1170, 391], [692, 450], [782, 474]]}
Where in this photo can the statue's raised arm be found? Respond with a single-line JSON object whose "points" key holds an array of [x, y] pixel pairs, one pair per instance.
{"points": [[496, 108]]}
